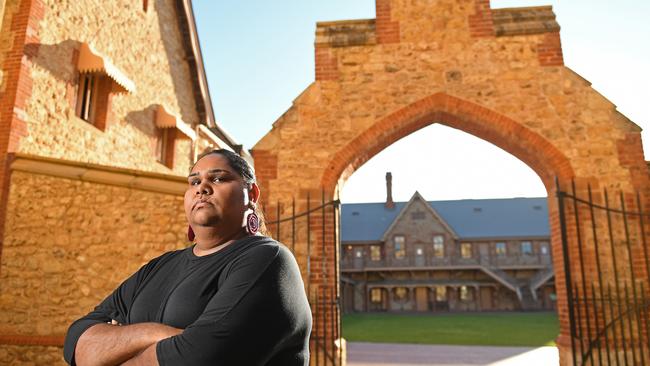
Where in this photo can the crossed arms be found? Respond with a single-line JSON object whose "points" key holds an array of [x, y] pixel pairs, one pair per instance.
{"points": [[260, 306], [106, 344]]}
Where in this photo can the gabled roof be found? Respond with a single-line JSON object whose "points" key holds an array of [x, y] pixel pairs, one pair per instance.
{"points": [[470, 219], [194, 58], [416, 197]]}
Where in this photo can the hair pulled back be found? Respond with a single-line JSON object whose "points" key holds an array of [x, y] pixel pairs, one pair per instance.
{"points": [[241, 167]]}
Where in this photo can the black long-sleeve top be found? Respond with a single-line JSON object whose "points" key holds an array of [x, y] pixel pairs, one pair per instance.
{"points": [[243, 305]]}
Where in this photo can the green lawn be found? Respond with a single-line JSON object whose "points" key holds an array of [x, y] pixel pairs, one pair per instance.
{"points": [[496, 329]]}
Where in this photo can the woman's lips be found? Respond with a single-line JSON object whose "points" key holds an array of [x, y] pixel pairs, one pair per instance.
{"points": [[201, 204]]}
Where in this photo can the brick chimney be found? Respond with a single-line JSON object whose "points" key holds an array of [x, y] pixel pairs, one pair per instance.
{"points": [[389, 191]]}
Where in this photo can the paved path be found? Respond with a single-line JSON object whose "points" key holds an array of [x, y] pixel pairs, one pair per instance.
{"points": [[391, 354]]}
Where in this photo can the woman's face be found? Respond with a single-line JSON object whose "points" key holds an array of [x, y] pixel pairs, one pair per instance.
{"points": [[216, 195]]}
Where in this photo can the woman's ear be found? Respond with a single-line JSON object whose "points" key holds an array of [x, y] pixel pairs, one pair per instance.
{"points": [[254, 193]]}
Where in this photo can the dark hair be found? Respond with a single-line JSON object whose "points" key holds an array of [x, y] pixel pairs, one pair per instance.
{"points": [[241, 167]]}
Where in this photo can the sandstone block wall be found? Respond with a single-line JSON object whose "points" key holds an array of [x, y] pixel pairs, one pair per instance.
{"points": [[31, 356], [145, 45], [68, 244]]}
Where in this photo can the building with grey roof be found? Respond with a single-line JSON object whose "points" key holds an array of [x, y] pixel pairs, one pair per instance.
{"points": [[460, 255]]}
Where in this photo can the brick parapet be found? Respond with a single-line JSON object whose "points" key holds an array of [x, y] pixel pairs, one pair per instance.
{"points": [[549, 50], [481, 23], [388, 29], [326, 63]]}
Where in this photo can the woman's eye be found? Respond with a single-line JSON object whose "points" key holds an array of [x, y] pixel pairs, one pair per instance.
{"points": [[194, 182]]}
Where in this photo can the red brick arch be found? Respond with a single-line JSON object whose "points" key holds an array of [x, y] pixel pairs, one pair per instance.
{"points": [[530, 147]]}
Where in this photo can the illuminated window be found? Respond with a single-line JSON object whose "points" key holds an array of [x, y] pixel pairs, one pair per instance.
{"points": [[465, 293], [466, 250], [526, 248], [501, 249], [358, 253], [419, 251], [375, 295], [400, 292], [438, 246], [399, 243], [441, 293], [375, 252]]}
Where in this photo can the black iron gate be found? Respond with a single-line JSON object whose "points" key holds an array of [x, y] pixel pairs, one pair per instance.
{"points": [[312, 235], [606, 275]]}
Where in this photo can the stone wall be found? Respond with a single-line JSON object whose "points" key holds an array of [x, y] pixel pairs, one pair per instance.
{"points": [[69, 243], [418, 231], [451, 62], [31, 356], [146, 46]]}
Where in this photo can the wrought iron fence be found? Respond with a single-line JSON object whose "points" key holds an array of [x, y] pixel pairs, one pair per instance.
{"points": [[606, 274], [311, 235]]}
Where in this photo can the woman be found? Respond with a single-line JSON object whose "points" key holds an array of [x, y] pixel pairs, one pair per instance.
{"points": [[235, 297]]}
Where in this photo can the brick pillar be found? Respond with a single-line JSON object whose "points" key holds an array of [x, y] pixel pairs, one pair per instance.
{"points": [[387, 29], [23, 24], [326, 63], [549, 51], [480, 23]]}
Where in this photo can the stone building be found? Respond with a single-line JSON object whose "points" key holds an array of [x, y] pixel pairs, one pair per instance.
{"points": [[103, 107], [497, 74], [433, 256]]}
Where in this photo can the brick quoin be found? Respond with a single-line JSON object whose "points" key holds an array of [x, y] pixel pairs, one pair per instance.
{"points": [[549, 51], [13, 102], [387, 30], [630, 155], [326, 64], [266, 169], [481, 23], [18, 87]]}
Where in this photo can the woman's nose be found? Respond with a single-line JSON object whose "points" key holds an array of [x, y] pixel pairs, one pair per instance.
{"points": [[203, 189]]}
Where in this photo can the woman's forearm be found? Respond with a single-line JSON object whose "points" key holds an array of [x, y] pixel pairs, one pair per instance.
{"points": [[145, 358], [109, 345]]}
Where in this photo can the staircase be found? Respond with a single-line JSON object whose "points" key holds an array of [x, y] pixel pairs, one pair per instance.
{"points": [[539, 279], [528, 299], [502, 277], [526, 293]]}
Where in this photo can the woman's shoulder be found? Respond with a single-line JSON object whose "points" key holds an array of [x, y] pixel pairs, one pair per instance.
{"points": [[264, 249], [264, 245]]}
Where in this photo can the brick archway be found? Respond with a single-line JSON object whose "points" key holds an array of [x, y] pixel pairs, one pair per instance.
{"points": [[496, 74], [531, 148]]}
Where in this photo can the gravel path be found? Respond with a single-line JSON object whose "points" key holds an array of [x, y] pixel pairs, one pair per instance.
{"points": [[391, 354]]}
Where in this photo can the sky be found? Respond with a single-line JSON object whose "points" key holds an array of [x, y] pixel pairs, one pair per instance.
{"points": [[259, 56]]}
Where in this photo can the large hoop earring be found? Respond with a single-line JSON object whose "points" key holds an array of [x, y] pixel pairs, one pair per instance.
{"points": [[190, 233], [251, 222]]}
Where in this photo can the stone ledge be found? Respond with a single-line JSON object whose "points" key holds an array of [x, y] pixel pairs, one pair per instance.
{"points": [[25, 340], [346, 33], [521, 21], [135, 179]]}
